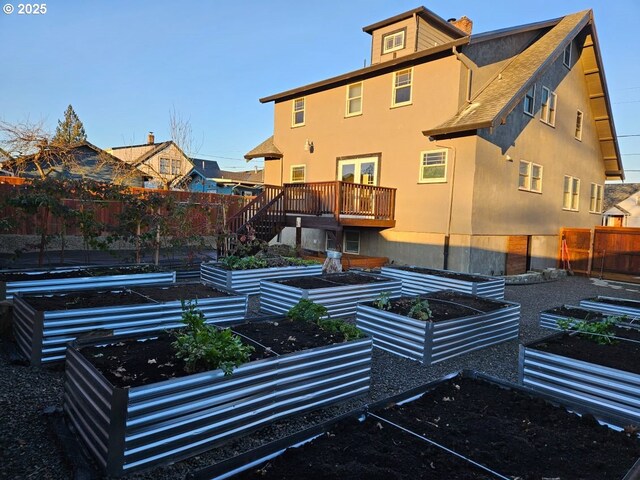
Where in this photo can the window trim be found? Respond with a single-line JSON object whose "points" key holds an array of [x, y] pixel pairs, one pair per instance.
{"points": [[294, 111], [176, 166], [552, 99], [304, 173], [443, 179], [599, 190], [403, 32], [533, 101], [572, 194], [348, 99], [394, 88], [529, 186], [578, 133], [162, 170], [564, 56], [344, 241]]}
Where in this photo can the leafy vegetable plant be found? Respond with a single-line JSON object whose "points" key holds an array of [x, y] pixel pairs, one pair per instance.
{"points": [[205, 347], [383, 301], [599, 332], [420, 310], [307, 311]]}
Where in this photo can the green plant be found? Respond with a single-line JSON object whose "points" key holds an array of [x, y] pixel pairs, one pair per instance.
{"points": [[420, 310], [205, 347], [233, 262], [350, 332], [307, 311], [599, 332], [383, 302]]}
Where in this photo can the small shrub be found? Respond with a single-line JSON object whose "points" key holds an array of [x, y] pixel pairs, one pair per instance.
{"points": [[420, 310], [350, 332], [383, 301], [205, 347], [307, 311], [599, 332]]}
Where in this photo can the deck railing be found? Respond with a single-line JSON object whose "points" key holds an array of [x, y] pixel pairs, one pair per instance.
{"points": [[258, 206]]}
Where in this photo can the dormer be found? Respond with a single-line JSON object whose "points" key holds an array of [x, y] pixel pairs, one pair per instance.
{"points": [[413, 31]]}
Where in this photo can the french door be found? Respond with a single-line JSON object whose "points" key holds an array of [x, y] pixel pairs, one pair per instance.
{"points": [[360, 171]]}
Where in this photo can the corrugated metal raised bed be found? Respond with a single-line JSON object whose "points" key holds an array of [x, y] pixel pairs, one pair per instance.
{"points": [[549, 318], [80, 278], [417, 280], [610, 394], [613, 306], [248, 281], [432, 341], [128, 429], [379, 423], [338, 292], [42, 335]]}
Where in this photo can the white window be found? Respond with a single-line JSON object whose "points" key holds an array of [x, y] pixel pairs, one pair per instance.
{"points": [[566, 56], [297, 114], [392, 42], [548, 107], [595, 204], [529, 100], [350, 241], [571, 195], [298, 173], [579, 120], [530, 177], [402, 81], [354, 99], [175, 166], [165, 165], [433, 166]]}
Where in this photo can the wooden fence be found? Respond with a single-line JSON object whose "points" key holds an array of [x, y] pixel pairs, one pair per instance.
{"points": [[606, 252]]}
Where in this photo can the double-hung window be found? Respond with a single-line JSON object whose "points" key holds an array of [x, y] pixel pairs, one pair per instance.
{"points": [[354, 100], [165, 165], [393, 41], [571, 193], [402, 82], [433, 166], [298, 112], [175, 166], [548, 106], [595, 203], [530, 177]]}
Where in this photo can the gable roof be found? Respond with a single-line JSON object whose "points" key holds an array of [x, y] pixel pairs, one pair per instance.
{"points": [[266, 149], [205, 168], [423, 12], [496, 100], [248, 176], [614, 193]]}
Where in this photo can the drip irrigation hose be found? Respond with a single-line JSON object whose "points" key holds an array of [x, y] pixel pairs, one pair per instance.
{"points": [[582, 332], [442, 447], [142, 295], [452, 303], [256, 342]]}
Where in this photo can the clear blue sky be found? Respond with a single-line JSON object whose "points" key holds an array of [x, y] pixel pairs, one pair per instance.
{"points": [[124, 65]]}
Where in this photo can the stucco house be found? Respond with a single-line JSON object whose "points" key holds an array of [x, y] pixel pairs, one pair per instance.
{"points": [[452, 149], [207, 176], [621, 205], [163, 164]]}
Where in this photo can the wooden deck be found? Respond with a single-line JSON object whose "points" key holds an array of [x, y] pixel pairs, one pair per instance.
{"points": [[350, 260]]}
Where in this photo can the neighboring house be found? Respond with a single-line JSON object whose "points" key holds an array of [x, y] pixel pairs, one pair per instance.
{"points": [[621, 205], [467, 152], [81, 161], [207, 176], [163, 164]]}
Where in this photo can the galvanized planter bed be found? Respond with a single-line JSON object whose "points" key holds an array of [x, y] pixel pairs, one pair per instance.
{"points": [[607, 305], [430, 342], [89, 282], [416, 282], [129, 429], [610, 394], [339, 299], [248, 281], [252, 459], [42, 335], [549, 318]]}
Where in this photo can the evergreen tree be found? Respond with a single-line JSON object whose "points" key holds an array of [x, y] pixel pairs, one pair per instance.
{"points": [[70, 130]]}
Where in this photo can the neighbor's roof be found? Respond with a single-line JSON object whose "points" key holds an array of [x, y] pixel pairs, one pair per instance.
{"points": [[206, 168], [614, 193], [266, 149], [423, 12], [248, 177]]}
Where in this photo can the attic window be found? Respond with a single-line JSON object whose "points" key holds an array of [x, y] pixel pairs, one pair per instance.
{"points": [[393, 41], [529, 100], [566, 56]]}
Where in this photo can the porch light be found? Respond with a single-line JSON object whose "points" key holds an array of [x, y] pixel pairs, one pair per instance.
{"points": [[308, 146]]}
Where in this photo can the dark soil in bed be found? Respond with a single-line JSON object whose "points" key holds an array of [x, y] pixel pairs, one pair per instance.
{"points": [[506, 431], [448, 305], [617, 301], [332, 280], [134, 296], [577, 313], [622, 355], [89, 272], [141, 362], [466, 277]]}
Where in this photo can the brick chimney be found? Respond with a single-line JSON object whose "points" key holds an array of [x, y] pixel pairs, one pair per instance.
{"points": [[463, 23], [151, 139]]}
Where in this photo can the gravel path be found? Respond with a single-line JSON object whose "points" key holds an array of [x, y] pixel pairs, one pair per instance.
{"points": [[30, 398]]}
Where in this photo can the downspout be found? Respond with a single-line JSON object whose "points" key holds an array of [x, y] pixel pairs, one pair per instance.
{"points": [[447, 236]]}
